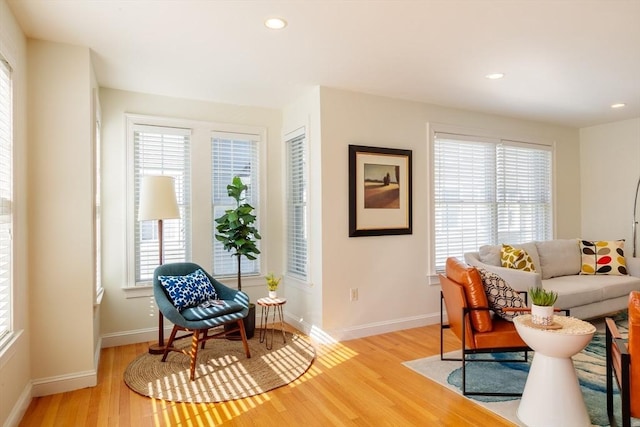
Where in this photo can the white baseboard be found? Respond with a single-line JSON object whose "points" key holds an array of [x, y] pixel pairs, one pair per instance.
{"points": [[384, 327], [146, 335], [133, 337], [367, 329], [20, 408], [64, 383]]}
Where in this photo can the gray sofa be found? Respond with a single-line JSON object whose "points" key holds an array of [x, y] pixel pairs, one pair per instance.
{"points": [[558, 264]]}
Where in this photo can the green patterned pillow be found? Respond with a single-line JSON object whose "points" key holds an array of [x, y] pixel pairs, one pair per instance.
{"points": [[517, 259], [603, 257]]}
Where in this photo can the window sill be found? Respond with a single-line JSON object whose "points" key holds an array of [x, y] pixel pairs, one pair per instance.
{"points": [[99, 296], [141, 291], [8, 347]]}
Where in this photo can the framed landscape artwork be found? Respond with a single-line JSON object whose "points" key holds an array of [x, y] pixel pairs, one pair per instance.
{"points": [[379, 191]]}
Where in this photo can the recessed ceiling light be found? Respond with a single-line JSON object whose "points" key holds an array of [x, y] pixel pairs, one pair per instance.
{"points": [[495, 76], [275, 23], [619, 105]]}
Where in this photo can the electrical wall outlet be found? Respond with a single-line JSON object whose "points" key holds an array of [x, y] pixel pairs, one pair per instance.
{"points": [[353, 294]]}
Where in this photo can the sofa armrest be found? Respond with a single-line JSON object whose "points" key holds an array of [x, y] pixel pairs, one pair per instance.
{"points": [[633, 266], [517, 279]]}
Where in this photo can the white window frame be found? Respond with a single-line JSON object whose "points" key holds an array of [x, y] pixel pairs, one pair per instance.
{"points": [[254, 196], [97, 198], [292, 232], [139, 122], [484, 135], [200, 216], [6, 201]]}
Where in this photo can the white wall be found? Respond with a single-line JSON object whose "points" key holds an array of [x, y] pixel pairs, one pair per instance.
{"points": [[390, 271], [610, 168], [15, 361], [124, 319], [61, 217], [304, 300]]}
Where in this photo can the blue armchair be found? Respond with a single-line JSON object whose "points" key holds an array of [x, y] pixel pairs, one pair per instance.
{"points": [[199, 319]]}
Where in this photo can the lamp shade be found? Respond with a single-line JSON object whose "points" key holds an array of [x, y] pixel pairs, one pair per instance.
{"points": [[157, 198]]}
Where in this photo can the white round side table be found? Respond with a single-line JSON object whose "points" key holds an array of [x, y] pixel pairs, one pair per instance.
{"points": [[266, 304], [552, 394]]}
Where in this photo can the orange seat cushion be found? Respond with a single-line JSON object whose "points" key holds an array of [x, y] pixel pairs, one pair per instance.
{"points": [[470, 279], [634, 351], [503, 334]]}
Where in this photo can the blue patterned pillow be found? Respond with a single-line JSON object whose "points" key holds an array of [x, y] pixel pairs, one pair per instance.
{"points": [[190, 290]]}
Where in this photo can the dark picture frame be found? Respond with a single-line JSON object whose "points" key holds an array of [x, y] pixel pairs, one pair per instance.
{"points": [[380, 191]]}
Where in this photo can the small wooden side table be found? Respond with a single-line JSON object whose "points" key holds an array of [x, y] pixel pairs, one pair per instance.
{"points": [[266, 304]]}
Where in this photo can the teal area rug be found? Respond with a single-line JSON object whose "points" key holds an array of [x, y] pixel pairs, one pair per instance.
{"points": [[511, 377]]}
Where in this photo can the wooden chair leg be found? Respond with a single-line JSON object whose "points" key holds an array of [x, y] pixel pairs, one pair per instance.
{"points": [[243, 335], [172, 337], [194, 353], [204, 338]]}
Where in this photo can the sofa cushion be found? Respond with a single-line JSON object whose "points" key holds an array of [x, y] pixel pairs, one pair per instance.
{"points": [[500, 295], [490, 254], [559, 257], [603, 257], [518, 259], [579, 290], [471, 281]]}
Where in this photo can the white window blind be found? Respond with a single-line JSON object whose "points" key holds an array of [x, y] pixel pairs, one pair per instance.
{"points": [[297, 240], [162, 151], [6, 196], [489, 192], [233, 154]]}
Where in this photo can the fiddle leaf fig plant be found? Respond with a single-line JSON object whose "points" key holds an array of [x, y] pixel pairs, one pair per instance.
{"points": [[236, 230]]}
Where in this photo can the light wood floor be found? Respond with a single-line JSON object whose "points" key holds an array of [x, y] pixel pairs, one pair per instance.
{"points": [[354, 383]]}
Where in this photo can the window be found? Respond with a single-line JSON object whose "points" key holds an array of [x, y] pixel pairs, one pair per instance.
{"points": [[161, 150], [6, 196], [489, 191], [203, 158], [97, 213], [297, 243], [233, 154]]}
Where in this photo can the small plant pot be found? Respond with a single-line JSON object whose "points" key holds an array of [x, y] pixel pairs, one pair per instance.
{"points": [[273, 294], [542, 315]]}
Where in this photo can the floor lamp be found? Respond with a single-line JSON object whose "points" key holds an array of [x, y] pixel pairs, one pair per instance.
{"points": [[158, 202]]}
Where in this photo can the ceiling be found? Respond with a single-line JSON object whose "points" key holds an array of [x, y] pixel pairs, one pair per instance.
{"points": [[565, 61]]}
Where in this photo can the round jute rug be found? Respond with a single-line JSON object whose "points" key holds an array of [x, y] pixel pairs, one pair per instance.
{"points": [[223, 372]]}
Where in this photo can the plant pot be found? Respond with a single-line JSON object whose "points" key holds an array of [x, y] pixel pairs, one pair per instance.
{"points": [[273, 294], [541, 315], [249, 325]]}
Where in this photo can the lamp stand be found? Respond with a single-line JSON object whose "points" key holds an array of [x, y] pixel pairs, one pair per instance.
{"points": [[160, 346]]}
